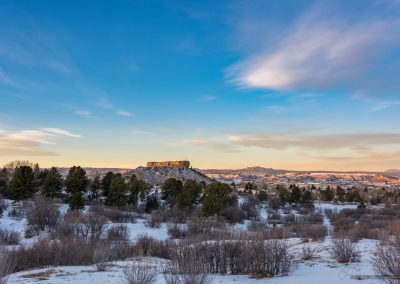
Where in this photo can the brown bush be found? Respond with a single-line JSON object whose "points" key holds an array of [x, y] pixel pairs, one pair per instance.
{"points": [[261, 258], [344, 251], [154, 220], [88, 227], [147, 246], [136, 274], [386, 261], [9, 237], [6, 265], [176, 232], [42, 214], [118, 233]]}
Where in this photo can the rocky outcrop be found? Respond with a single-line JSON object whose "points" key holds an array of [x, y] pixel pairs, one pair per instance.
{"points": [[183, 164], [158, 174]]}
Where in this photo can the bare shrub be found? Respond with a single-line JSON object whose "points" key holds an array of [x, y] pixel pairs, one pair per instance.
{"points": [[101, 257], [261, 258], [175, 231], [88, 227], [207, 226], [9, 237], [6, 265], [148, 246], [233, 214], [119, 216], [154, 220], [386, 261], [309, 231], [307, 252], [135, 274], [118, 233], [344, 251], [42, 214], [289, 218]]}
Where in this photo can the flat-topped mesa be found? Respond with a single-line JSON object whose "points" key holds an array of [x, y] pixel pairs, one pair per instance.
{"points": [[181, 164]]}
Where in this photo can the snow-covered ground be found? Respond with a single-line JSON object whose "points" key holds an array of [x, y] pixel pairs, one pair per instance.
{"points": [[321, 269]]}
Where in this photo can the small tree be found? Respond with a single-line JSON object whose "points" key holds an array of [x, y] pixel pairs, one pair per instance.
{"points": [[22, 185], [42, 215], [76, 201], [136, 188], [106, 183], [217, 197], [76, 183], [117, 193], [189, 196], [170, 190], [151, 204], [95, 186], [52, 183]]}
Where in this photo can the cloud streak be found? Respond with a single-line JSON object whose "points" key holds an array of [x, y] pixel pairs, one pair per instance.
{"points": [[319, 52], [30, 142]]}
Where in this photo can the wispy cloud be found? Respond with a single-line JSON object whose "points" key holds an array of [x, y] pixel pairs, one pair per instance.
{"points": [[30, 142], [218, 143], [319, 52], [104, 103], [124, 113], [207, 98], [85, 113]]}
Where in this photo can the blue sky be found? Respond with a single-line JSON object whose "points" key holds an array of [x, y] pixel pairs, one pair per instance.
{"points": [[228, 84]]}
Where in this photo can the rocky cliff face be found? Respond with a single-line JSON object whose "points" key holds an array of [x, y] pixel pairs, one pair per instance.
{"points": [[157, 175], [182, 164]]}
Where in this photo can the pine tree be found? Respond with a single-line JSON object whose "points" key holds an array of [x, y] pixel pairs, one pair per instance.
{"points": [[117, 193], [295, 193], [52, 183], [137, 187], [106, 182], [5, 183], [76, 201], [76, 183], [95, 186], [151, 204], [170, 190], [22, 184], [189, 196], [218, 196]]}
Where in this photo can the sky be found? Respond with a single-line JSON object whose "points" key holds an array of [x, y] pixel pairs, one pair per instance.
{"points": [[305, 85]]}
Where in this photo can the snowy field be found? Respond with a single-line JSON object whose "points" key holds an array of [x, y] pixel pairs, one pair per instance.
{"points": [[321, 269]]}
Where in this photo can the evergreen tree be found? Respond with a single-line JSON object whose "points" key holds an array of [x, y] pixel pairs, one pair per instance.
{"points": [[76, 183], [95, 187], [52, 183], [189, 195], [106, 182], [76, 201], [5, 183], [22, 184], [340, 194], [306, 197], [295, 193], [151, 204], [284, 194], [117, 193], [327, 194], [170, 190], [218, 196], [136, 188]]}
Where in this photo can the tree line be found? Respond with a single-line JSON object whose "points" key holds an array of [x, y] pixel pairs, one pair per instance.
{"points": [[26, 180]]}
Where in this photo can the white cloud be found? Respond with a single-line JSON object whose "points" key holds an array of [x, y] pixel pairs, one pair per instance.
{"points": [[124, 113], [207, 98], [320, 52], [30, 142], [85, 113]]}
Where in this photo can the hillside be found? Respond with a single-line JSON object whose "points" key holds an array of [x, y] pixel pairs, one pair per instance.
{"points": [[157, 175]]}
